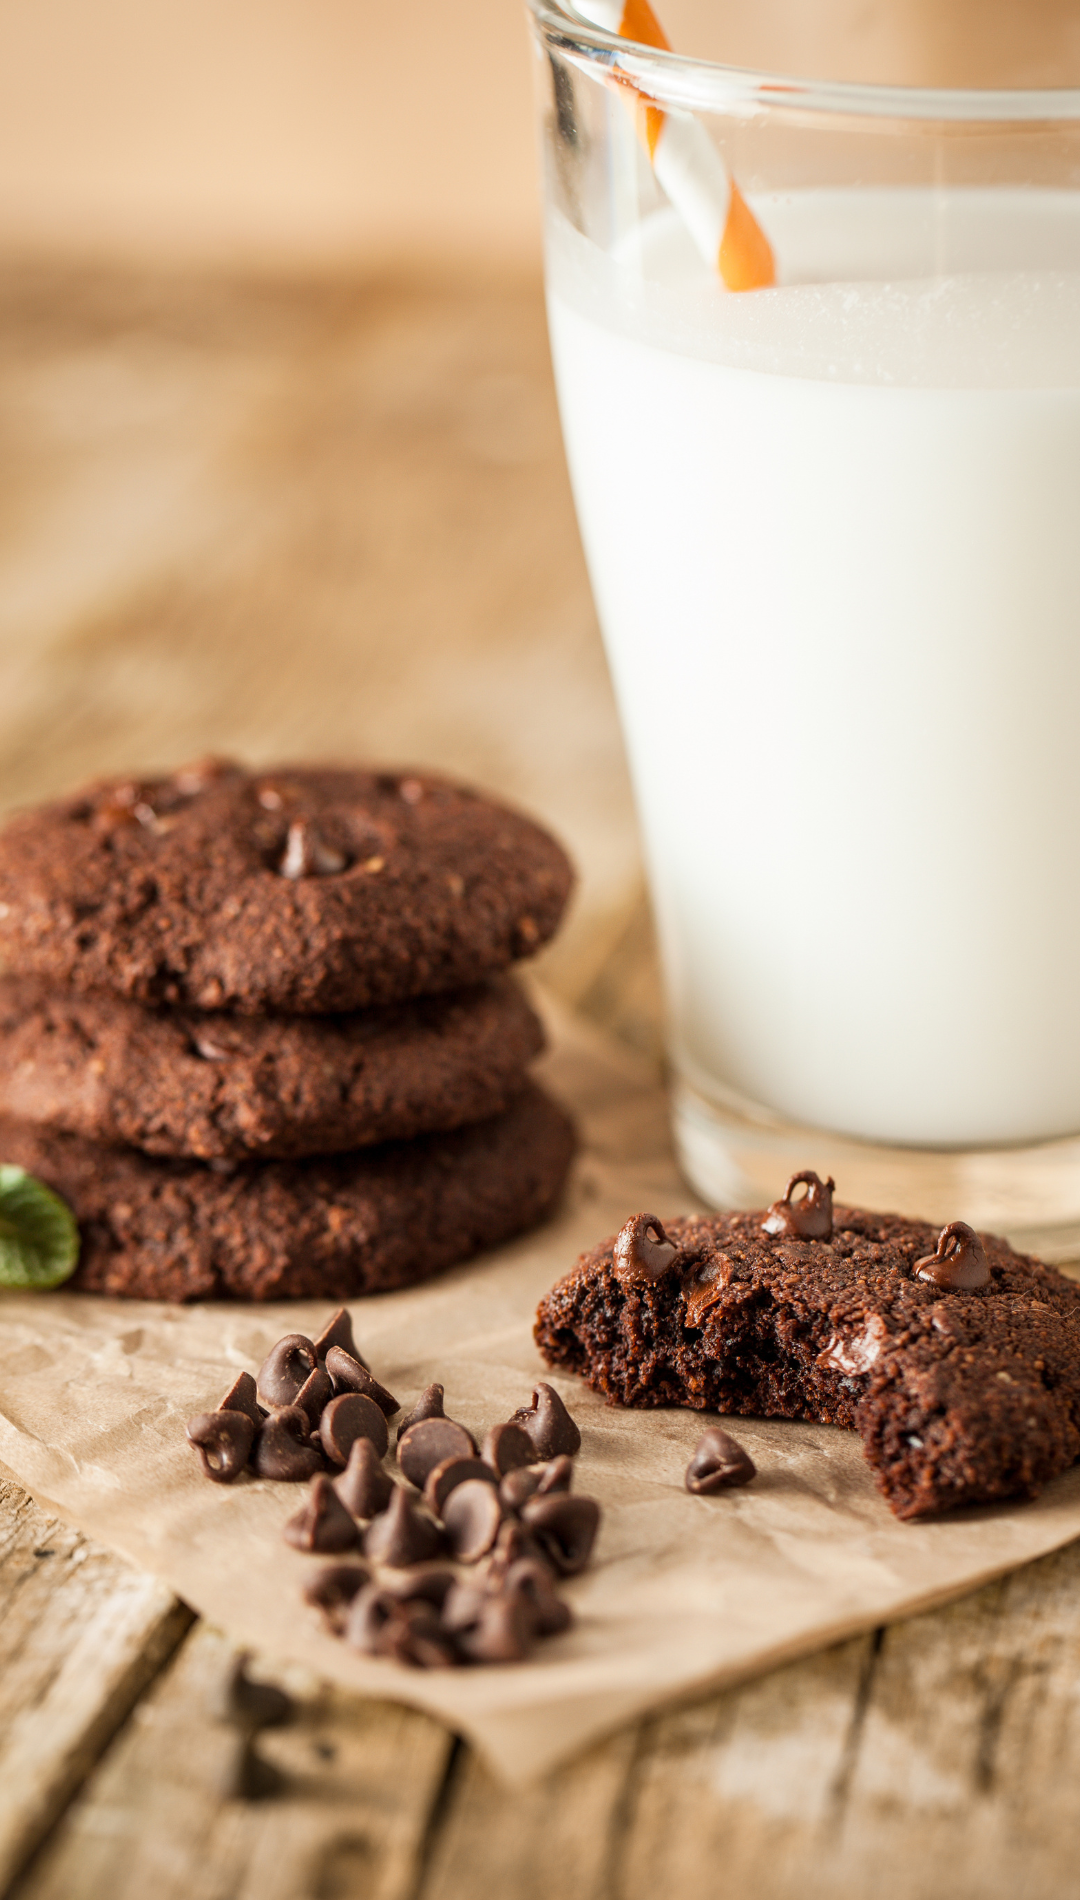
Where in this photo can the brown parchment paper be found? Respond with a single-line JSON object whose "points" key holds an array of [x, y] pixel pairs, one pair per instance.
{"points": [[683, 1591]]}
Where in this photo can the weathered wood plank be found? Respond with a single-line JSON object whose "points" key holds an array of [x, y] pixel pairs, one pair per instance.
{"points": [[969, 1758], [555, 1841], [940, 1758], [81, 1633], [743, 1789], [358, 1782], [650, 1811]]}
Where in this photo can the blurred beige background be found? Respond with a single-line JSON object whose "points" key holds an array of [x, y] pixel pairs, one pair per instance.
{"points": [[237, 129]]}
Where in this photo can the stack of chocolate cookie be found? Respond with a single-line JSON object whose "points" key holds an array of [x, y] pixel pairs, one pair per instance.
{"points": [[255, 1027]]}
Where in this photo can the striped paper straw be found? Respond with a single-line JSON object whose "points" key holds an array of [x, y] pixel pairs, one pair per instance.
{"points": [[687, 164]]}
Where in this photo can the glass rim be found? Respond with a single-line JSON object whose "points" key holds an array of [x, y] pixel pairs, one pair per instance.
{"points": [[702, 85]]}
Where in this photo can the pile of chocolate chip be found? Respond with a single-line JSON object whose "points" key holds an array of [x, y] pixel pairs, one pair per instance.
{"points": [[506, 1509]]}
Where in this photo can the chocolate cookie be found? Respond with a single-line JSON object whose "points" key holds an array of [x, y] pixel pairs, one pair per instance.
{"points": [[959, 1367], [173, 1082], [271, 1230], [307, 890]]}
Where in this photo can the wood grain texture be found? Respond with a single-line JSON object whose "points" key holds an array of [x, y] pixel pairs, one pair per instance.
{"points": [[357, 1782], [81, 1633], [560, 1837], [931, 1759], [973, 1727]]}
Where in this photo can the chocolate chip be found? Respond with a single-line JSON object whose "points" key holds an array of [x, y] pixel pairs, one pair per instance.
{"points": [[464, 1604], [452, 1472], [348, 1375], [241, 1397], [556, 1475], [209, 1048], [308, 854], [565, 1527], [535, 1581], [323, 1523], [223, 1441], [115, 808], [315, 1394], [348, 1418], [338, 1332], [506, 1447], [429, 1583], [252, 1706], [472, 1515], [371, 1610], [719, 1463], [519, 1485], [194, 778], [428, 1405], [402, 1535], [285, 1369], [410, 1632], [642, 1250], [549, 1425], [529, 1580], [529, 1480], [364, 1487], [503, 1631], [513, 1544], [526, 935], [416, 1637], [533, 1585], [331, 1591], [284, 1449], [960, 1264], [808, 1218], [428, 1443]]}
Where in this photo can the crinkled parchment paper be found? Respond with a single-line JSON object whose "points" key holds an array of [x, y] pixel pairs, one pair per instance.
{"points": [[682, 1592]]}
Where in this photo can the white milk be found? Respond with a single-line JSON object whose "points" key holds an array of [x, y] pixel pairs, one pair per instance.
{"points": [[833, 531]]}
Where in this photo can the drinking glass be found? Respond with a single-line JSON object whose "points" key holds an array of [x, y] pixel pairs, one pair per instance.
{"points": [[828, 485]]}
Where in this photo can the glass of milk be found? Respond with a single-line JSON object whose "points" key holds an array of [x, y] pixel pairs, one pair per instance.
{"points": [[832, 524]]}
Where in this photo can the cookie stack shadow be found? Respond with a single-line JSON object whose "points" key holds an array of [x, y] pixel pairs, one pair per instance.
{"points": [[257, 1028]]}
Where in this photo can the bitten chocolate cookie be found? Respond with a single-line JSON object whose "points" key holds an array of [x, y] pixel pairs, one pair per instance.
{"points": [[958, 1364], [305, 890], [174, 1082], [271, 1230]]}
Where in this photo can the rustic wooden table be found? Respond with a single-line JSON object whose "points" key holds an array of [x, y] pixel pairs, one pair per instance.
{"points": [[332, 518]]}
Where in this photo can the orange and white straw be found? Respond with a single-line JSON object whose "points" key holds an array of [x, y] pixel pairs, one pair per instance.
{"points": [[688, 167]]}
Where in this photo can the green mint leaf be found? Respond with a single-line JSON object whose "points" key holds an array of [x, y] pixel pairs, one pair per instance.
{"points": [[39, 1240]]}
